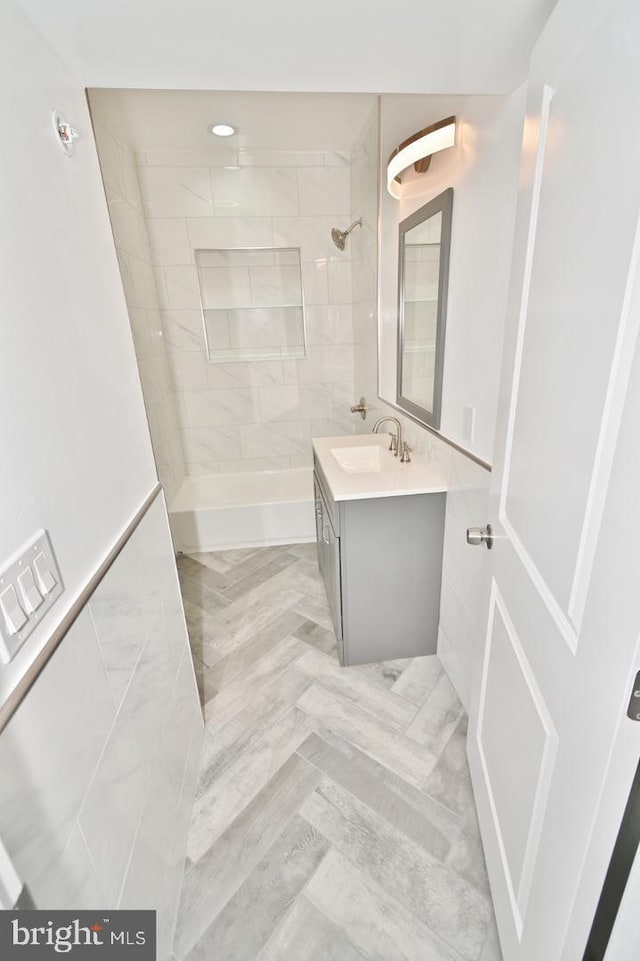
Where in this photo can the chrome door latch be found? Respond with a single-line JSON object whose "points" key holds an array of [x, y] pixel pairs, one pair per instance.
{"points": [[480, 535], [633, 711]]}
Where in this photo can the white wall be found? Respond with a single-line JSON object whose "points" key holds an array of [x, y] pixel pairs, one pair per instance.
{"points": [[76, 456], [483, 170]]}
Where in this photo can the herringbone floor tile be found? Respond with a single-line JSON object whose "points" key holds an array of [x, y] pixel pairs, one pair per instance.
{"points": [[334, 817]]}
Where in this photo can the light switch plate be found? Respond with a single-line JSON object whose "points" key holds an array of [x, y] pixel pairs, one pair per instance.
{"points": [[37, 555]]}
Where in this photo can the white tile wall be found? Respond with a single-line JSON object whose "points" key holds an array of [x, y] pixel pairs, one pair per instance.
{"points": [[35, 837], [225, 287], [109, 736], [211, 408], [210, 444], [183, 330], [189, 370], [110, 838], [255, 192], [363, 245], [340, 287], [138, 250], [315, 283], [221, 199], [252, 415], [275, 439], [324, 190], [328, 364], [247, 374], [296, 402], [178, 287], [169, 241], [74, 879], [312, 235], [280, 158], [275, 285], [219, 153], [176, 191], [218, 234]]}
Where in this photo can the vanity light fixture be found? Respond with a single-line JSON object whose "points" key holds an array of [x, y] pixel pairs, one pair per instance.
{"points": [[417, 150], [223, 130]]}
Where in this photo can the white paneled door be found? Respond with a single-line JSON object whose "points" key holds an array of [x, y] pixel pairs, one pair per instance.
{"points": [[551, 750]]}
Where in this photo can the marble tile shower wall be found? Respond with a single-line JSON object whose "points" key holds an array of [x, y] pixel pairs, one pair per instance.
{"points": [[364, 203], [110, 735], [132, 245], [253, 415]]}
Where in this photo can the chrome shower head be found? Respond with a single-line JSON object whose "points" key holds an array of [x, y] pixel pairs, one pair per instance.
{"points": [[339, 237]]}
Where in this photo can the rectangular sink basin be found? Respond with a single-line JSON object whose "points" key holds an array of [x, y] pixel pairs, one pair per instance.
{"points": [[359, 460]]}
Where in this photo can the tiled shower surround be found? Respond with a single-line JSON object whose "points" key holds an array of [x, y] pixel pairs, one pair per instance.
{"points": [[134, 259], [110, 736], [253, 415], [246, 415], [364, 264]]}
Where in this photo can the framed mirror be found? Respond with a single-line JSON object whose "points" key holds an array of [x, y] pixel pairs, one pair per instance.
{"points": [[423, 276]]}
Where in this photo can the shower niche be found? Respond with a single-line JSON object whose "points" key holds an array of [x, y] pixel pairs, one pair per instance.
{"points": [[252, 303]]}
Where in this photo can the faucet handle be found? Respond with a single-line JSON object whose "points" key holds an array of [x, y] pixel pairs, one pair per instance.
{"points": [[393, 443], [361, 408], [404, 457]]}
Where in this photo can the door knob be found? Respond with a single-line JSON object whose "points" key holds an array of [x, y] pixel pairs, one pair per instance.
{"points": [[480, 535]]}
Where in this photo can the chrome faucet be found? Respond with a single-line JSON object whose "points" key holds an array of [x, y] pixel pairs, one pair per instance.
{"points": [[396, 439]]}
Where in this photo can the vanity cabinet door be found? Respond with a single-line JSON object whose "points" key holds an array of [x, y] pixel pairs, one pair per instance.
{"points": [[391, 570], [328, 547], [381, 563]]}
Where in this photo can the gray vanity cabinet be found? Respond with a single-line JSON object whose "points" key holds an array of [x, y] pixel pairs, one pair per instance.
{"points": [[328, 544], [381, 563]]}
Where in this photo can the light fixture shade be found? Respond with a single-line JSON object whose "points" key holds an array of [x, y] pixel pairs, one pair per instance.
{"points": [[415, 149]]}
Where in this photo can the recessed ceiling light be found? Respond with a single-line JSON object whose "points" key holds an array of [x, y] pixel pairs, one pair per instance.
{"points": [[223, 130]]}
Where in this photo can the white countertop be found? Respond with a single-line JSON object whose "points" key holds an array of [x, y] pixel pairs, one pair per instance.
{"points": [[393, 480]]}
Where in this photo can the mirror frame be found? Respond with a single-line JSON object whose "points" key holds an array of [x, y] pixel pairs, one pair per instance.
{"points": [[443, 203]]}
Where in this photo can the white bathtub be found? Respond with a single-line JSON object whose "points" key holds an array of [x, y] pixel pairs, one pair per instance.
{"points": [[221, 511]]}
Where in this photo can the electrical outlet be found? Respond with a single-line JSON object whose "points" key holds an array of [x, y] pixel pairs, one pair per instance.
{"points": [[468, 422]]}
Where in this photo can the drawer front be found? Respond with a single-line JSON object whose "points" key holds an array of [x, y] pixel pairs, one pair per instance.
{"points": [[328, 547]]}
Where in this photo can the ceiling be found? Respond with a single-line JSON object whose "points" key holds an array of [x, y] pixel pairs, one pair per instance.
{"points": [[181, 119], [420, 46]]}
